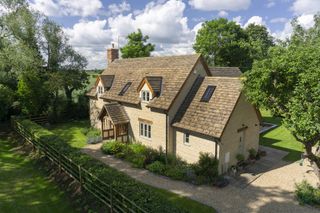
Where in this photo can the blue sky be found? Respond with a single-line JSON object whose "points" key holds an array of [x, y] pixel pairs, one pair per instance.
{"points": [[171, 24]]}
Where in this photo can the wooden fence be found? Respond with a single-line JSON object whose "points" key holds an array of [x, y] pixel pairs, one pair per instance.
{"points": [[114, 200]]}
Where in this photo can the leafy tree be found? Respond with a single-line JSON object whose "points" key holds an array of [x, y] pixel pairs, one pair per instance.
{"points": [[222, 43], [32, 93], [259, 41], [287, 83], [136, 46], [6, 100], [63, 59]]}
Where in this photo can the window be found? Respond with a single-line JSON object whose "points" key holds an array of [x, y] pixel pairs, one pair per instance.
{"points": [[145, 130], [100, 90], [208, 93], [125, 88], [145, 95], [186, 139]]}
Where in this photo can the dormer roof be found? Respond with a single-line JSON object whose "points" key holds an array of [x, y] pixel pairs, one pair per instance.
{"points": [[172, 70], [154, 84]]}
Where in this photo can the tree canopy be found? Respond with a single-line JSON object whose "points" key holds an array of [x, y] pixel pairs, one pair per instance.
{"points": [[225, 43], [33, 52], [137, 46], [287, 83]]}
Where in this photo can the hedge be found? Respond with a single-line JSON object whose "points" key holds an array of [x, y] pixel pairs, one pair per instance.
{"points": [[143, 195]]}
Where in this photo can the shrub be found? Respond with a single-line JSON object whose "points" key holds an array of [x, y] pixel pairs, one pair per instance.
{"points": [[176, 172], [252, 153], [93, 132], [137, 160], [137, 148], [307, 194], [157, 167], [112, 147], [207, 166], [144, 196], [240, 157]]}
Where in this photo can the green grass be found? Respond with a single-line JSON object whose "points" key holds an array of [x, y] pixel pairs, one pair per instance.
{"points": [[71, 132], [281, 138], [185, 203], [23, 188]]}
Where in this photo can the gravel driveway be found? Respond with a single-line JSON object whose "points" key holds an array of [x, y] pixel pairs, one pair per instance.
{"points": [[272, 191]]}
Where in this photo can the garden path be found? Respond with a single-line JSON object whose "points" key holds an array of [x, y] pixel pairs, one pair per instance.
{"points": [[273, 191]]}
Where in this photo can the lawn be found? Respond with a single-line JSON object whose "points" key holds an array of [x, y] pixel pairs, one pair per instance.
{"points": [[23, 187], [281, 138], [71, 132]]}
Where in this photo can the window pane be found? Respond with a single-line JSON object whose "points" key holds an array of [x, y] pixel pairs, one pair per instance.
{"points": [[145, 130], [148, 96], [149, 132], [143, 95], [141, 128]]}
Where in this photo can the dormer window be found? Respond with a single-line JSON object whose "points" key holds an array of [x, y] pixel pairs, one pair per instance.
{"points": [[100, 90], [145, 95]]}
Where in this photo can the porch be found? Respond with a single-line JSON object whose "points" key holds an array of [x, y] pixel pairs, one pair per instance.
{"points": [[114, 122]]}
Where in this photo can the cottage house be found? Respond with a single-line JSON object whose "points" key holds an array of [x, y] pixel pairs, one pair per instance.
{"points": [[177, 103]]}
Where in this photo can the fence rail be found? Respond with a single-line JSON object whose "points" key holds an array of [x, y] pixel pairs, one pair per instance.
{"points": [[105, 193]]}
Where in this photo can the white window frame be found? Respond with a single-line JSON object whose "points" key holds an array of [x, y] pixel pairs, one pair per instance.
{"points": [[145, 130], [100, 90], [186, 138], [145, 95]]}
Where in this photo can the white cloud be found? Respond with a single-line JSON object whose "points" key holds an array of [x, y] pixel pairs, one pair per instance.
{"points": [[270, 3], [91, 39], [163, 22], [210, 5], [306, 6], [115, 9], [223, 13], [279, 20], [67, 7], [238, 20], [257, 20], [306, 21]]}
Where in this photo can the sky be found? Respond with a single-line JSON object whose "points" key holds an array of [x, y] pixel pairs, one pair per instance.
{"points": [[92, 25]]}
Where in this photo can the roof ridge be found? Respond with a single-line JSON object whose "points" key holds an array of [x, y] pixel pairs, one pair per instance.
{"points": [[160, 56]]}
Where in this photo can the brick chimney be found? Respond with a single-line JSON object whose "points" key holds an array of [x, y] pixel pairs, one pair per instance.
{"points": [[112, 54]]}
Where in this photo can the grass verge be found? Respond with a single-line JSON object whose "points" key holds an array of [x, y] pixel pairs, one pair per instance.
{"points": [[25, 188], [281, 138]]}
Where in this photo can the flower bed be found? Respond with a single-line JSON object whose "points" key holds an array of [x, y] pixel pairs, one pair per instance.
{"points": [[205, 171]]}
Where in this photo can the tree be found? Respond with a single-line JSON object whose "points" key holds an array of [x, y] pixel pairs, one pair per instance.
{"points": [[259, 41], [6, 100], [287, 83], [61, 58], [222, 43], [136, 46]]}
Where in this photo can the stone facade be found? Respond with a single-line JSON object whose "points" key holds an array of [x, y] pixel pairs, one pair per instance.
{"points": [[164, 135]]}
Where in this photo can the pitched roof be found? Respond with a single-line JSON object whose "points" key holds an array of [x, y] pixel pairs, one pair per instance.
{"points": [[194, 115], [116, 113], [155, 82], [106, 80], [174, 71], [225, 71], [92, 92]]}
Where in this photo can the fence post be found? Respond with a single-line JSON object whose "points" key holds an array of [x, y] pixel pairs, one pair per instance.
{"points": [[59, 161], [80, 177], [111, 199]]}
